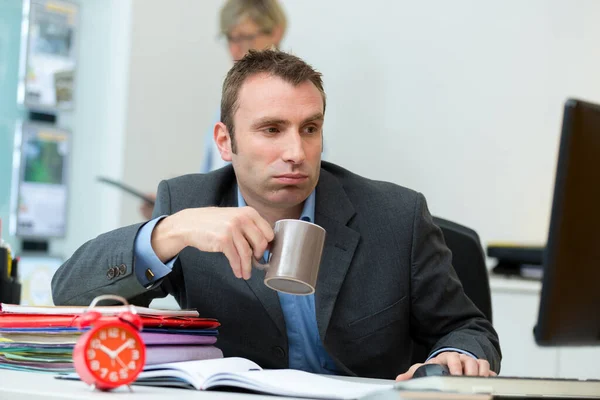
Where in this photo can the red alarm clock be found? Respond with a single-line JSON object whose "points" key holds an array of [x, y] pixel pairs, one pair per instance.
{"points": [[112, 352]]}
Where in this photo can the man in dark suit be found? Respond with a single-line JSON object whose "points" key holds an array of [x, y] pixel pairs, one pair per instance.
{"points": [[385, 279]]}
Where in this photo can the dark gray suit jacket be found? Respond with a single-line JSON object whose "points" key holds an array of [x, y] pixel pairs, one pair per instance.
{"points": [[385, 278]]}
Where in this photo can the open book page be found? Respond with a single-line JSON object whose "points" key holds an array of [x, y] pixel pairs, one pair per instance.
{"points": [[288, 382], [241, 373], [196, 372]]}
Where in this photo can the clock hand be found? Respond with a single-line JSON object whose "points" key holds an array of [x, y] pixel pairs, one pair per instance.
{"points": [[108, 351], [122, 347], [120, 362]]}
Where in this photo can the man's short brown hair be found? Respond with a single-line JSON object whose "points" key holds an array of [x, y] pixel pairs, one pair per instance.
{"points": [[290, 68]]}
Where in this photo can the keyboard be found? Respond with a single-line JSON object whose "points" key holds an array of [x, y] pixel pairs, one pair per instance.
{"points": [[505, 386]]}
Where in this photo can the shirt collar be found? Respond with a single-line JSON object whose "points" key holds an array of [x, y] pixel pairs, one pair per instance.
{"points": [[308, 211]]}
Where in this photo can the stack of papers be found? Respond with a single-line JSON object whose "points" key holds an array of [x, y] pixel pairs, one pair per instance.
{"points": [[42, 338]]}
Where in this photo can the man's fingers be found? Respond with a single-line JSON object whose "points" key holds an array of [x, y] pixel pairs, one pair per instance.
{"points": [[257, 231], [470, 365], [404, 377], [263, 225], [231, 253], [485, 369], [245, 253], [463, 364], [454, 363], [256, 238], [408, 374]]}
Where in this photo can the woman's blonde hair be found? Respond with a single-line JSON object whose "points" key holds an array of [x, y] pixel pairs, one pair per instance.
{"points": [[267, 14]]}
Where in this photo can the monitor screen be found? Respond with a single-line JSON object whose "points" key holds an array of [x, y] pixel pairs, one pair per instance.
{"points": [[48, 54], [39, 186], [569, 312]]}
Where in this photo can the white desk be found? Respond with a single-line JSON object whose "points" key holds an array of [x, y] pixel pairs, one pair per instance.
{"points": [[36, 386]]}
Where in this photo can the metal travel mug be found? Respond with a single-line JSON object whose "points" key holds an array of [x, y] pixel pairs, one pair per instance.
{"points": [[295, 257]]}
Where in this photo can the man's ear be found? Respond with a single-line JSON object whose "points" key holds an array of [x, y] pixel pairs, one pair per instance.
{"points": [[223, 141]]}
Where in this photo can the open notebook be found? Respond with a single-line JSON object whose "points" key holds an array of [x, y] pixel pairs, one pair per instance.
{"points": [[241, 373]]}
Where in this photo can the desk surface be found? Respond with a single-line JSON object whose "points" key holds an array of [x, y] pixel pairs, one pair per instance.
{"points": [[37, 386], [505, 284]]}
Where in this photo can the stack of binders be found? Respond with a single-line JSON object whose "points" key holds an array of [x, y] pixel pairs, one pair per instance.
{"points": [[42, 338]]}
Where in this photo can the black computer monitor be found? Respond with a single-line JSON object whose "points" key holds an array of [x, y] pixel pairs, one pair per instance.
{"points": [[569, 312], [40, 181]]}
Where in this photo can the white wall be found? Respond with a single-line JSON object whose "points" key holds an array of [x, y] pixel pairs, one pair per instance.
{"points": [[461, 100], [177, 66], [98, 121]]}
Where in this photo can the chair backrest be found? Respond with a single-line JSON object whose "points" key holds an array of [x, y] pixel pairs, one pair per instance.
{"points": [[468, 260]]}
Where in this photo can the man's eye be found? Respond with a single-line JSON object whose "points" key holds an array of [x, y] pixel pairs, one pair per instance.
{"points": [[310, 129], [272, 130]]}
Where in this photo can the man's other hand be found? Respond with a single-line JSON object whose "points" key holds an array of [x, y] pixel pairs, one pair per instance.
{"points": [[458, 364]]}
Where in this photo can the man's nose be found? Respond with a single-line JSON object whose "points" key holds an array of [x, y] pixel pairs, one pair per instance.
{"points": [[294, 149]]}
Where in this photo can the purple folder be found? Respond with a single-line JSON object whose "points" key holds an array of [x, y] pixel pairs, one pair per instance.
{"points": [[168, 354], [155, 338]]}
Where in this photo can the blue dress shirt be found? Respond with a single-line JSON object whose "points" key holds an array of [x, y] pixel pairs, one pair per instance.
{"points": [[306, 351]]}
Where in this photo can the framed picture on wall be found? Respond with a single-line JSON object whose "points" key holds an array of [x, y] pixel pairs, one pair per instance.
{"points": [[35, 275], [40, 181], [48, 55]]}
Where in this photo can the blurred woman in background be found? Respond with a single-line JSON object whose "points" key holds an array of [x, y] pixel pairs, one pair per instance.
{"points": [[246, 25]]}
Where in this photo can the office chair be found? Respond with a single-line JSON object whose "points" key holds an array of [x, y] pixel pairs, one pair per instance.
{"points": [[469, 262]]}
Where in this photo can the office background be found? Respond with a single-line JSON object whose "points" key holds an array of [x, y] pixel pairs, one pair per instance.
{"points": [[460, 100]]}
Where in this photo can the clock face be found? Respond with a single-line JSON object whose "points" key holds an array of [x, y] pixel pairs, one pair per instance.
{"points": [[114, 354]]}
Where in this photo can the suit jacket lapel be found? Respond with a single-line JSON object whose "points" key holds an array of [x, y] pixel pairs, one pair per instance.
{"points": [[333, 211], [268, 297]]}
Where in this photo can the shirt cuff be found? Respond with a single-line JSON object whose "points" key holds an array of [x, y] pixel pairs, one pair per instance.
{"points": [[444, 349], [148, 268]]}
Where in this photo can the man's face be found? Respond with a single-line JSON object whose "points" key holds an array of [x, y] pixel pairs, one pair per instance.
{"points": [[278, 132]]}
